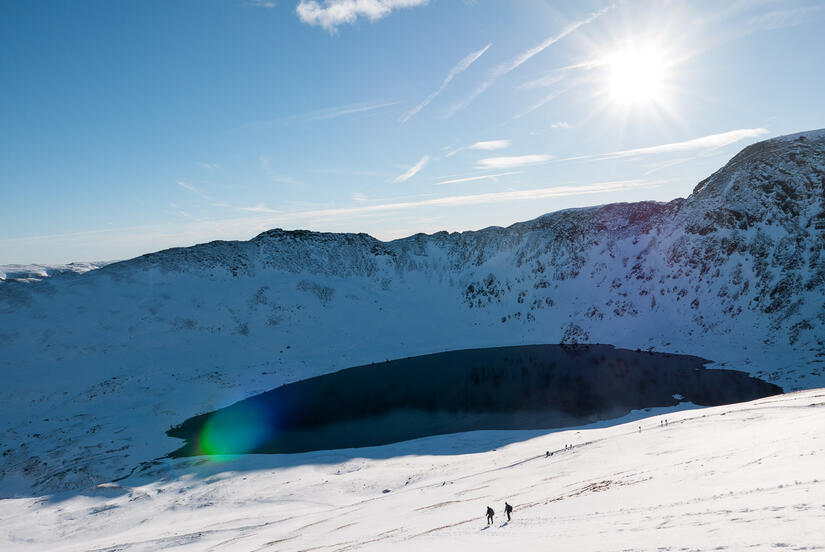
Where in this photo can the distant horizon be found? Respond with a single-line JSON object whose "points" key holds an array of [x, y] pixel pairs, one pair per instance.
{"points": [[133, 128]]}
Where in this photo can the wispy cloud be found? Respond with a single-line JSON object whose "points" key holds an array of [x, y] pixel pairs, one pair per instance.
{"points": [[343, 111], [352, 172], [561, 124], [474, 178], [485, 145], [320, 115], [276, 176], [489, 145], [741, 18], [541, 103], [329, 14], [474, 199], [522, 58], [412, 171], [710, 142], [462, 66], [780, 19], [185, 214], [194, 190], [478, 199], [499, 163], [261, 4], [662, 165], [543, 82], [259, 208]]}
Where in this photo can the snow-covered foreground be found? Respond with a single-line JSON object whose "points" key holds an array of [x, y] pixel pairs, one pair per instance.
{"points": [[741, 477]]}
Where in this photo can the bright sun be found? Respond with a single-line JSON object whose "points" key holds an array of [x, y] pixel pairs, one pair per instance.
{"points": [[636, 76]]}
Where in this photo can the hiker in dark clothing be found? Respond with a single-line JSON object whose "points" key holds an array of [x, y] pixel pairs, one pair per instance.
{"points": [[508, 510], [490, 514]]}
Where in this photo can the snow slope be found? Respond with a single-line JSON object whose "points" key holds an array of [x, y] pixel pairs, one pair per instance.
{"points": [[97, 366], [739, 477]]}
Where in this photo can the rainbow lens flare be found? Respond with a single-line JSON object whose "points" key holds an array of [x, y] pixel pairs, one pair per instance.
{"points": [[237, 430]]}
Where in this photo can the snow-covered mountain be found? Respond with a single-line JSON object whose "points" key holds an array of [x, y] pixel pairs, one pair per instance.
{"points": [[97, 366], [35, 272]]}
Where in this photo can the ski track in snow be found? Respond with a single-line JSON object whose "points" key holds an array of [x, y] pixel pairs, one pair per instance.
{"points": [[738, 477]]}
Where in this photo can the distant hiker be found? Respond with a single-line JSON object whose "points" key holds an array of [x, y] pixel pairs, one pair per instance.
{"points": [[640, 429], [547, 454], [490, 514], [508, 510]]}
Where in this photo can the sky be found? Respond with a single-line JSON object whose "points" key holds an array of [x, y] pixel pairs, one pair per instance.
{"points": [[130, 127]]}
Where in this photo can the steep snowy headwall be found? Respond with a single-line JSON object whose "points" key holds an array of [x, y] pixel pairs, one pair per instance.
{"points": [[734, 273]]}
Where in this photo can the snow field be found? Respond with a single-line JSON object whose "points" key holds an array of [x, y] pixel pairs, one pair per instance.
{"points": [[739, 477]]}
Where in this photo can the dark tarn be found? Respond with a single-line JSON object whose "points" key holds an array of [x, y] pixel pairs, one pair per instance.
{"points": [[526, 387]]}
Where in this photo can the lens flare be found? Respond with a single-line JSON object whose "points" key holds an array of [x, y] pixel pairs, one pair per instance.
{"points": [[237, 430]]}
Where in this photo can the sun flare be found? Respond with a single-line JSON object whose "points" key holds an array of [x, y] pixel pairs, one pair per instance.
{"points": [[636, 76]]}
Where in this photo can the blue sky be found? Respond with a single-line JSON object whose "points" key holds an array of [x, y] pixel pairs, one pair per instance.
{"points": [[128, 127]]}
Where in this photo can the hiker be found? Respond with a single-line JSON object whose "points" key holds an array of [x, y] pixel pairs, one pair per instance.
{"points": [[547, 454], [490, 514], [508, 510]]}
